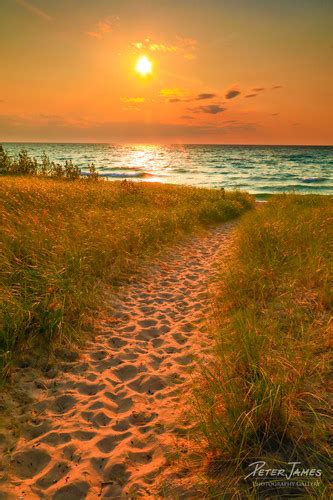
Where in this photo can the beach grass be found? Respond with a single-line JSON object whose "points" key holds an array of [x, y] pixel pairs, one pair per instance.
{"points": [[265, 396], [62, 241]]}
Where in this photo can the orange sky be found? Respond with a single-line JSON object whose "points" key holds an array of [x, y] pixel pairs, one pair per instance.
{"points": [[236, 71]]}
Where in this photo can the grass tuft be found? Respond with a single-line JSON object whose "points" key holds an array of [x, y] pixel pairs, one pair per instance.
{"points": [[265, 396]]}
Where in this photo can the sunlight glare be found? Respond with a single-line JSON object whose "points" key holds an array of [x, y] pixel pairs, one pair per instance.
{"points": [[144, 66]]}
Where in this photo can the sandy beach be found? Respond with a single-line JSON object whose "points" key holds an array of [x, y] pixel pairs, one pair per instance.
{"points": [[104, 421], [166, 200]]}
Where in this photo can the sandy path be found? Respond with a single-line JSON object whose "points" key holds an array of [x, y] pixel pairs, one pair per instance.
{"points": [[104, 427]]}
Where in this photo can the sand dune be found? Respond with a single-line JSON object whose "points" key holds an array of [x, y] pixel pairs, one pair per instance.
{"points": [[103, 425]]}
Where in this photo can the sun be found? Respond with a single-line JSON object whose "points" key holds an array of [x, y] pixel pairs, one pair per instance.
{"points": [[144, 66]]}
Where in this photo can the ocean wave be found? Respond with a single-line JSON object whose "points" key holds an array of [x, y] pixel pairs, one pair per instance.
{"points": [[120, 175], [124, 175], [118, 168], [308, 180]]}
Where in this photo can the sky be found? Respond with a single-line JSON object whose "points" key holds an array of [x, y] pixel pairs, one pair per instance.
{"points": [[224, 71]]}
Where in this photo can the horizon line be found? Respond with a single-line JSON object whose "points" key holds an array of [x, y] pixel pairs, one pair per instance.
{"points": [[169, 143]]}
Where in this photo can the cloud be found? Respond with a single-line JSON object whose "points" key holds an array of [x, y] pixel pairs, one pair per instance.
{"points": [[35, 10], [103, 27], [172, 93], [232, 93], [251, 95], [154, 47], [277, 87], [201, 97], [211, 109], [132, 100], [181, 95], [184, 46], [275, 114], [187, 117], [161, 47], [258, 89]]}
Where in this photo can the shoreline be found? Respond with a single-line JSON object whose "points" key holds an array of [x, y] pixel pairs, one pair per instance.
{"points": [[260, 172]]}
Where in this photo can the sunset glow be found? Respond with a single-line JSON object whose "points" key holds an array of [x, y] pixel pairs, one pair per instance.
{"points": [[167, 72], [144, 66], [166, 200]]}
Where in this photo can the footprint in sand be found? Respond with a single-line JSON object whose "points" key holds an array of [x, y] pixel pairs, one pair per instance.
{"points": [[126, 372], [184, 360], [100, 419], [89, 389], [64, 403], [57, 472], [83, 435], [140, 457], [124, 404], [148, 384], [98, 355], [29, 463], [147, 322], [35, 429], [108, 443], [157, 342], [74, 491], [122, 425], [118, 342], [56, 438]]}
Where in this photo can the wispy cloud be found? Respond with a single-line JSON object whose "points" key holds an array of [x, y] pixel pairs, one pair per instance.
{"points": [[185, 46], [211, 109], [173, 93], [258, 89], [103, 27], [154, 47], [181, 95], [277, 87], [232, 93], [35, 10], [201, 97], [251, 95]]}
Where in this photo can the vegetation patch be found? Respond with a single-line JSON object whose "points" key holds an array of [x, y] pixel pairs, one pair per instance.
{"points": [[61, 241], [265, 396]]}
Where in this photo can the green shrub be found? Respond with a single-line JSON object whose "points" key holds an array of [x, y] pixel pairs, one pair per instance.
{"points": [[25, 165]]}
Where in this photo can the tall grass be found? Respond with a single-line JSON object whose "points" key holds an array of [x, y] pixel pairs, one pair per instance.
{"points": [[265, 396], [60, 241]]}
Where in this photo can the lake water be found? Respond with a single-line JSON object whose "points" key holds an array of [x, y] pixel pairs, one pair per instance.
{"points": [[258, 169]]}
